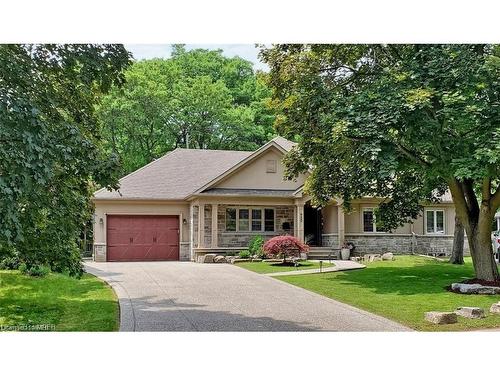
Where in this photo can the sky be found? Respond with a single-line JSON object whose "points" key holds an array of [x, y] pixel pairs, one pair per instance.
{"points": [[246, 51]]}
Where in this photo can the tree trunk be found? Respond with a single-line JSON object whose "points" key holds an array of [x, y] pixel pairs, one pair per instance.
{"points": [[457, 253], [479, 237]]}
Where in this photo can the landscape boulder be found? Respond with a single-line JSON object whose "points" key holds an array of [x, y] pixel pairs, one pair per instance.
{"points": [[388, 256], [474, 289], [471, 312], [495, 308], [437, 317], [209, 258], [372, 257], [219, 259]]}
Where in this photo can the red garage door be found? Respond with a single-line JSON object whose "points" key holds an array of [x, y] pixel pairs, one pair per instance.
{"points": [[133, 237]]}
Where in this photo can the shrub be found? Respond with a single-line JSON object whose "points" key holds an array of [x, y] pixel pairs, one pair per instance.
{"points": [[9, 263], [244, 254], [285, 246], [255, 246], [37, 270]]}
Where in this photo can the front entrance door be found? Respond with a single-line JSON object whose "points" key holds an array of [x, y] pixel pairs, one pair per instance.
{"points": [[313, 225]]}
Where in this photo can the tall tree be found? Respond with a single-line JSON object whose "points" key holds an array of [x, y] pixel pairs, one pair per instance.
{"points": [[457, 251], [51, 151], [197, 99], [405, 122]]}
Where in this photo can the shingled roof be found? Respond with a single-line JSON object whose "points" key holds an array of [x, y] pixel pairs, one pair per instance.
{"points": [[175, 175]]}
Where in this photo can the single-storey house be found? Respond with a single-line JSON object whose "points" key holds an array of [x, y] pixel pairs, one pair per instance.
{"points": [[190, 202]]}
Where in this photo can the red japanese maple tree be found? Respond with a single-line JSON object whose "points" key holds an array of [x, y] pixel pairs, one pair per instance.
{"points": [[286, 246]]}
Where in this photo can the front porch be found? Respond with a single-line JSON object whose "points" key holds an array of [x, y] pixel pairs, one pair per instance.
{"points": [[227, 226]]}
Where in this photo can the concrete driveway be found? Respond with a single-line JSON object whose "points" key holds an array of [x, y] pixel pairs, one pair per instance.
{"points": [[185, 296]]}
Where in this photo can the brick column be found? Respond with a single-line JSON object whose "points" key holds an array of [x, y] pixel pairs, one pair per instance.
{"points": [[215, 225]]}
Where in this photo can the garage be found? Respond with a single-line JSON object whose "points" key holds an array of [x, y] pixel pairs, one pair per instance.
{"points": [[142, 237]]}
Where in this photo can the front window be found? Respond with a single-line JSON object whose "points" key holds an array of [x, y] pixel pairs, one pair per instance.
{"points": [[243, 223], [250, 219], [269, 220], [256, 220], [369, 221], [434, 222], [231, 219]]}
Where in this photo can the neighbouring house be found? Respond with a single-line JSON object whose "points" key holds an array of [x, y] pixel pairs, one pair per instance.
{"points": [[190, 202]]}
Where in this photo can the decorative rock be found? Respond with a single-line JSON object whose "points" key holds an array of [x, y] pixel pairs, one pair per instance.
{"points": [[471, 312], [437, 317], [219, 259], [474, 289], [388, 256], [495, 308], [209, 258]]}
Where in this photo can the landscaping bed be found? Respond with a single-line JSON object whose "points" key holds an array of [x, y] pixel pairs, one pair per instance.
{"points": [[404, 290], [56, 302], [270, 267]]}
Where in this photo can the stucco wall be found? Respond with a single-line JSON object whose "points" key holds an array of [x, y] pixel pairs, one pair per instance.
{"points": [[354, 219], [254, 175]]}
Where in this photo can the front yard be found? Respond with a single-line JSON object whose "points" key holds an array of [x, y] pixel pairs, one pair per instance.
{"points": [[403, 290], [56, 302]]}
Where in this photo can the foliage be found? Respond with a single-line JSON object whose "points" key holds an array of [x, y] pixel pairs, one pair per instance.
{"points": [[196, 99], [403, 122], [34, 270], [285, 246], [403, 290], [51, 151], [244, 254], [69, 304], [255, 247], [9, 263]]}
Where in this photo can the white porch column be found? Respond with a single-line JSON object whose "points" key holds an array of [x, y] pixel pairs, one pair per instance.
{"points": [[191, 234], [341, 224], [201, 226], [215, 229], [300, 221]]}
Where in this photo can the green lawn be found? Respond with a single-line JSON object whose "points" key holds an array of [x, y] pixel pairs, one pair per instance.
{"points": [[267, 267], [403, 290], [66, 303]]}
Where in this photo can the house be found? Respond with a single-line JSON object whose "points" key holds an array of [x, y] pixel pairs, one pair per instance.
{"points": [[191, 202]]}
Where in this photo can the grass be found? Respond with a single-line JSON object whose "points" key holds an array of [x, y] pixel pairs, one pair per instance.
{"points": [[267, 267], [403, 290], [61, 302]]}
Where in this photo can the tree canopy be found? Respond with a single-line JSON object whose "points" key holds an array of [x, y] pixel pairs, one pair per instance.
{"points": [[51, 150], [196, 99], [403, 122]]}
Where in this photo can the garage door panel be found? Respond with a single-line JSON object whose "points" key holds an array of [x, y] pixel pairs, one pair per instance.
{"points": [[137, 238]]}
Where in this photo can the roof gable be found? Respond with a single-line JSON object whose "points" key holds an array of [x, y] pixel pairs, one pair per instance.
{"points": [[280, 144]]}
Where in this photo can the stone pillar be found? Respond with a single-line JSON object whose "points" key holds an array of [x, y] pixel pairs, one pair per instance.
{"points": [[201, 226], [215, 225], [341, 224], [300, 221]]}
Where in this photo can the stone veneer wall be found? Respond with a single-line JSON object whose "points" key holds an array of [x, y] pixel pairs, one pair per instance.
{"points": [[184, 252], [330, 240], [208, 226], [241, 239], [399, 244]]}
